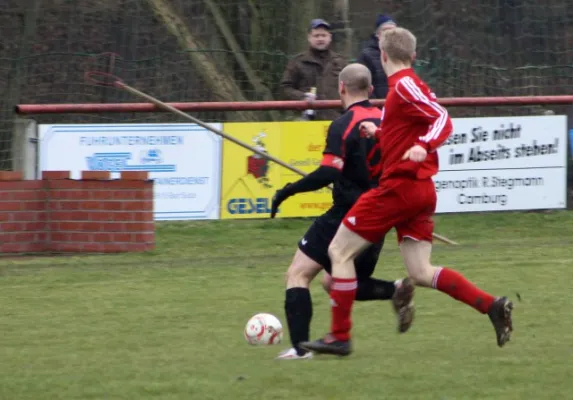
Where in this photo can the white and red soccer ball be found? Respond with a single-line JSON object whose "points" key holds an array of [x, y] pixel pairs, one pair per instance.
{"points": [[263, 329]]}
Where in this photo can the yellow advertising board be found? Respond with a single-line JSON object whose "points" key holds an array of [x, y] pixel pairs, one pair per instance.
{"points": [[250, 181], [302, 144]]}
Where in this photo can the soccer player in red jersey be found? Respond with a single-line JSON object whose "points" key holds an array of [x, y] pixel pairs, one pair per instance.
{"points": [[351, 164], [413, 127]]}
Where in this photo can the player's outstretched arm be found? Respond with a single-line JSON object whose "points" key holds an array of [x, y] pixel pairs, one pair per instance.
{"points": [[329, 171], [317, 179], [421, 104]]}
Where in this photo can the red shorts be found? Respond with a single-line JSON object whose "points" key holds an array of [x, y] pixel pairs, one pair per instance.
{"points": [[406, 204]]}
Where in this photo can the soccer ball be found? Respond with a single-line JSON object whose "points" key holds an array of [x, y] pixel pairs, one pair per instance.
{"points": [[263, 329]]}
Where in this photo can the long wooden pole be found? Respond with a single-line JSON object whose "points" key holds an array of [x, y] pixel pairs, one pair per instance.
{"points": [[158, 103]]}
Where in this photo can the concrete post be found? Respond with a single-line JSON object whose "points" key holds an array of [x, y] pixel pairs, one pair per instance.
{"points": [[25, 148]]}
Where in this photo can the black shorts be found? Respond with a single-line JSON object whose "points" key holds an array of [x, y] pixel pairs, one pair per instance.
{"points": [[316, 240]]}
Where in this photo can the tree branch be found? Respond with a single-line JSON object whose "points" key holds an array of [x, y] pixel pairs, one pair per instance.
{"points": [[222, 85], [253, 78]]}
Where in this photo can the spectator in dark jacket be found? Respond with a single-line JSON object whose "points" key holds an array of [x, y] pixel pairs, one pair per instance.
{"points": [[370, 57], [313, 74]]}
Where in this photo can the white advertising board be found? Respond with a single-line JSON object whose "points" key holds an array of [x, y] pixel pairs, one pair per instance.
{"points": [[502, 164], [184, 160]]}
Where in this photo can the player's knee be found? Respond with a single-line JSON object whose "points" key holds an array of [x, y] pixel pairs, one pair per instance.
{"points": [[416, 256], [299, 275], [422, 275], [337, 252]]}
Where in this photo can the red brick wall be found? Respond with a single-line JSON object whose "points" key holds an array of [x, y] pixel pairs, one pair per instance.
{"points": [[94, 214]]}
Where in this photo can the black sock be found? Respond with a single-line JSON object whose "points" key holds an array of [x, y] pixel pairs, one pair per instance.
{"points": [[374, 289], [298, 309]]}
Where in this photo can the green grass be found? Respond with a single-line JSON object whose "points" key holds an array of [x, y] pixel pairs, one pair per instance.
{"points": [[168, 325]]}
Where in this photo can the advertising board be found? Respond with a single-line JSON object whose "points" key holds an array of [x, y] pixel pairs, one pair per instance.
{"points": [[184, 160]]}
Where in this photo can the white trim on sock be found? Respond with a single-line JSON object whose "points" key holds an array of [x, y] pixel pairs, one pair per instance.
{"points": [[435, 278]]}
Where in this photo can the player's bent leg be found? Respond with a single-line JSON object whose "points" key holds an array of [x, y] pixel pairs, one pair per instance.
{"points": [[368, 288], [301, 271], [401, 292], [371, 289], [416, 255], [298, 303], [367, 222], [344, 248]]}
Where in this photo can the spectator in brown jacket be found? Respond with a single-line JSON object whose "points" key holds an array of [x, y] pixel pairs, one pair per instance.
{"points": [[313, 74]]}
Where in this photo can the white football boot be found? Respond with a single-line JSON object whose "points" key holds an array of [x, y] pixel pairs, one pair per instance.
{"points": [[291, 354]]}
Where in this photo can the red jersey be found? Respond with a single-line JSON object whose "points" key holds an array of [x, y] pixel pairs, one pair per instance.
{"points": [[411, 116]]}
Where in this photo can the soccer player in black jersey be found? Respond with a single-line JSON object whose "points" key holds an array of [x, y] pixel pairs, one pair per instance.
{"points": [[349, 163]]}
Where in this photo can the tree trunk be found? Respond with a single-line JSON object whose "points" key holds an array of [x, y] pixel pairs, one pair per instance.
{"points": [[30, 12], [341, 10], [301, 13], [260, 89], [221, 83]]}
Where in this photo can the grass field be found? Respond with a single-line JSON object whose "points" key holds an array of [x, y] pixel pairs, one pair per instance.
{"points": [[168, 325]]}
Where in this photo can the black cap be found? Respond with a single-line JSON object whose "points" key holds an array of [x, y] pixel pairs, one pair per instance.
{"points": [[384, 19], [319, 23]]}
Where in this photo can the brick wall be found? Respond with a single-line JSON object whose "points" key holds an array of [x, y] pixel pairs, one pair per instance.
{"points": [[94, 214]]}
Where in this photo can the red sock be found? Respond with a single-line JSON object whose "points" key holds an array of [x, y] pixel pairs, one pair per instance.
{"points": [[456, 285], [342, 295]]}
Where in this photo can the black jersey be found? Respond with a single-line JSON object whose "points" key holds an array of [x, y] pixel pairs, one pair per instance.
{"points": [[354, 155]]}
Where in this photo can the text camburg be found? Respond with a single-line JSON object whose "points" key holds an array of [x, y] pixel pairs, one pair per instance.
{"points": [[486, 182]]}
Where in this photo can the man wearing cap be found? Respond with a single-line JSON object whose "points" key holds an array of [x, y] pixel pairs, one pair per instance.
{"points": [[313, 74], [370, 57]]}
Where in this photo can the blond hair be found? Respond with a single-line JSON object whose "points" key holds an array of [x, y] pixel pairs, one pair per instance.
{"points": [[399, 44], [356, 78]]}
